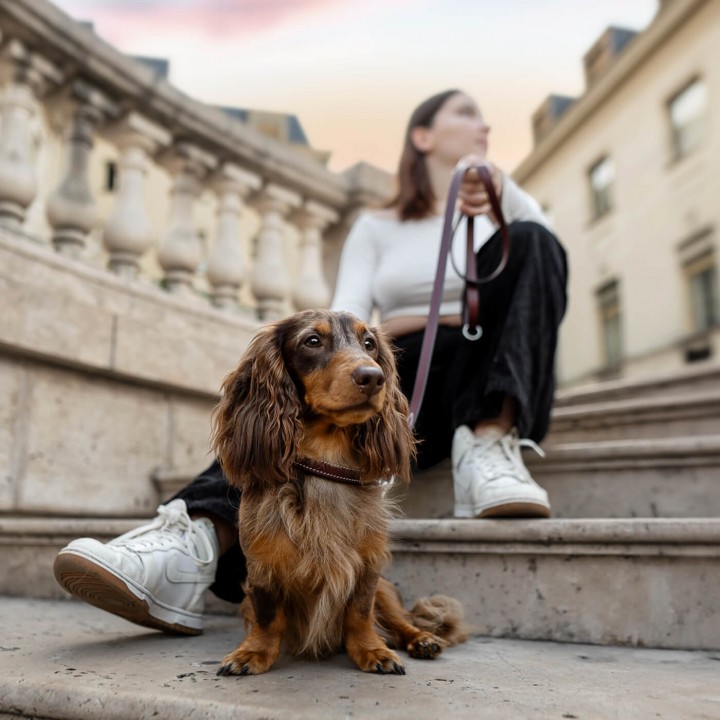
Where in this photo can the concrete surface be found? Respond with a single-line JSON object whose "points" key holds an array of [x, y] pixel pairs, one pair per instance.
{"points": [[64, 660]]}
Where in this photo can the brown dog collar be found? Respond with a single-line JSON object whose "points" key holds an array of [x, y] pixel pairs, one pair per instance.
{"points": [[327, 471]]}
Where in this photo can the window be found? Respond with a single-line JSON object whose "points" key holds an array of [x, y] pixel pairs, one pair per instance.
{"points": [[701, 276], [110, 175], [608, 302], [686, 111], [602, 177]]}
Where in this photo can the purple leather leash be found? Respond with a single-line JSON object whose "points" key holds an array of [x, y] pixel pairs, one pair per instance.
{"points": [[471, 295]]}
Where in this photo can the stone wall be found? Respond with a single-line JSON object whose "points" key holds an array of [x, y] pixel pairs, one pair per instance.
{"points": [[103, 383]]}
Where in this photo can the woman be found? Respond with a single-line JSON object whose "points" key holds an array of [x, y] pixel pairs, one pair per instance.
{"points": [[478, 392], [482, 393]]}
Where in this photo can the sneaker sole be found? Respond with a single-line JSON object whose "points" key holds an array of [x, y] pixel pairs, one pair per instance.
{"points": [[93, 584], [515, 509]]}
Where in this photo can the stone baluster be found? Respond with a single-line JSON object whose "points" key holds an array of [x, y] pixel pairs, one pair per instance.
{"points": [[180, 251], [310, 289], [226, 264], [26, 76], [71, 209], [270, 276], [128, 232]]}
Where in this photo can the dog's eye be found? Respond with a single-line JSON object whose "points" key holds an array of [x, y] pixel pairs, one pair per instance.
{"points": [[369, 344], [312, 341]]}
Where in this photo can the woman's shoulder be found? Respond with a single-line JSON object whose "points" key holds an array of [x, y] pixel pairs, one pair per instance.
{"points": [[390, 213], [376, 223]]}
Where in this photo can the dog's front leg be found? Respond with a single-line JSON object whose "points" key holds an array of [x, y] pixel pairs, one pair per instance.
{"points": [[260, 649], [364, 646]]}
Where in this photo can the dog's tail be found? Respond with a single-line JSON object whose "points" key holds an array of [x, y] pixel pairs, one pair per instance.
{"points": [[442, 616]]}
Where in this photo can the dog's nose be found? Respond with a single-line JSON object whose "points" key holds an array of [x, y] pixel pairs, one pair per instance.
{"points": [[368, 379]]}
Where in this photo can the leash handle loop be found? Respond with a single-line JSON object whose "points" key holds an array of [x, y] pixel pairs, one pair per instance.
{"points": [[471, 305]]}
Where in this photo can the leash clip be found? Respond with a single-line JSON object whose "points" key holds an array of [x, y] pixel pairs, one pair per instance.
{"points": [[473, 335]]}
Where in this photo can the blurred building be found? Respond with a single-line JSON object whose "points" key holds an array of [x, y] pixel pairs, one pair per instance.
{"points": [[629, 174]]}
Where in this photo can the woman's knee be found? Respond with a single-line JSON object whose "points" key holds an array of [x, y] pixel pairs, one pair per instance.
{"points": [[532, 238]]}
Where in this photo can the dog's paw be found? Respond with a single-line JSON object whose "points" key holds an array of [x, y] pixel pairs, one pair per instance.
{"points": [[425, 646], [381, 661], [246, 662]]}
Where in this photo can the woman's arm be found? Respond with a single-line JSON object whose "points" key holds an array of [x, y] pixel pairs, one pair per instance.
{"points": [[516, 204], [353, 291]]}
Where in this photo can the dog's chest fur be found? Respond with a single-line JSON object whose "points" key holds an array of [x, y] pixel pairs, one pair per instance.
{"points": [[315, 540]]}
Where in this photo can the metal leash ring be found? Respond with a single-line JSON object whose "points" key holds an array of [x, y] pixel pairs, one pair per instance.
{"points": [[472, 335]]}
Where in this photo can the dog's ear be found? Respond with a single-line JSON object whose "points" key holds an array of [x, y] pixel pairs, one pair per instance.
{"points": [[257, 423], [385, 442]]}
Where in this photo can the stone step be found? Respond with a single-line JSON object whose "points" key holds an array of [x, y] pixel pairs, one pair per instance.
{"points": [[638, 582], [687, 414], [666, 477], [649, 583], [66, 660], [693, 380], [669, 477]]}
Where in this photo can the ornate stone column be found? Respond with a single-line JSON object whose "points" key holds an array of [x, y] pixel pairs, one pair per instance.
{"points": [[270, 277], [310, 289], [180, 251], [226, 264], [26, 75], [128, 232], [71, 209]]}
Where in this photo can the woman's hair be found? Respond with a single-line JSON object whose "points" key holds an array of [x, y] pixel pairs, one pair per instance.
{"points": [[415, 199]]}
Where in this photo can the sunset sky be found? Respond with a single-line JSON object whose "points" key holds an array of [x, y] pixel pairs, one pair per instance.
{"points": [[353, 70]]}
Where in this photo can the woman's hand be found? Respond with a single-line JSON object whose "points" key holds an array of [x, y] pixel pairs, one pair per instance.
{"points": [[472, 194]]}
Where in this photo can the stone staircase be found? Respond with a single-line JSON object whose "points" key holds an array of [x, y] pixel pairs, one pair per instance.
{"points": [[630, 557], [640, 448]]}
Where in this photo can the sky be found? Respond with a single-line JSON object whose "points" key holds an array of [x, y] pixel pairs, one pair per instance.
{"points": [[353, 70]]}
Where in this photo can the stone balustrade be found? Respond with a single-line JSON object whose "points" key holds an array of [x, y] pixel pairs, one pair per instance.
{"points": [[63, 91], [143, 238]]}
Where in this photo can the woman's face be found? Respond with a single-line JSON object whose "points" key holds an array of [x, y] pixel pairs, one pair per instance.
{"points": [[458, 129]]}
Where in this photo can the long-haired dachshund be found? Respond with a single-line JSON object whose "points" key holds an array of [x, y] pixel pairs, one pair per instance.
{"points": [[310, 426]]}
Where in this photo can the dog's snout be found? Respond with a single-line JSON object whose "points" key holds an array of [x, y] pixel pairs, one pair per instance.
{"points": [[369, 379]]}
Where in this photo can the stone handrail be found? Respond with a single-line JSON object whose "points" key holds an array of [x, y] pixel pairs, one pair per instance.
{"points": [[58, 75]]}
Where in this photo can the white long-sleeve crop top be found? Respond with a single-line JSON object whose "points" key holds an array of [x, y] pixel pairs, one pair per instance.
{"points": [[390, 264]]}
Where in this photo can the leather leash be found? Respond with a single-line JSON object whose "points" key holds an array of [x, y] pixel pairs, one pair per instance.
{"points": [[471, 295]]}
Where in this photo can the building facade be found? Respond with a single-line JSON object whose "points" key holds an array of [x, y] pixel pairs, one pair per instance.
{"points": [[629, 174]]}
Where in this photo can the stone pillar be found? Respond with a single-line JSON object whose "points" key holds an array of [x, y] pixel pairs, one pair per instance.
{"points": [[226, 264], [310, 289], [26, 75], [71, 209], [128, 232], [180, 251], [270, 276]]}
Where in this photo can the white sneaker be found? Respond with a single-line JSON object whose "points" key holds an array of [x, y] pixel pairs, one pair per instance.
{"points": [[154, 575], [490, 478]]}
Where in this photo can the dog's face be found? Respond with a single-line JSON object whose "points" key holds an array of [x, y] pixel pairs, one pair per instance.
{"points": [[334, 358], [316, 367]]}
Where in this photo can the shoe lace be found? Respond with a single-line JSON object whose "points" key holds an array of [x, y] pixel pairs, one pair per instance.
{"points": [[501, 456], [171, 528], [527, 442]]}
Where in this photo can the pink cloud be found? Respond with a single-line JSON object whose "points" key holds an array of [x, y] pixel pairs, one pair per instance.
{"points": [[211, 18]]}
